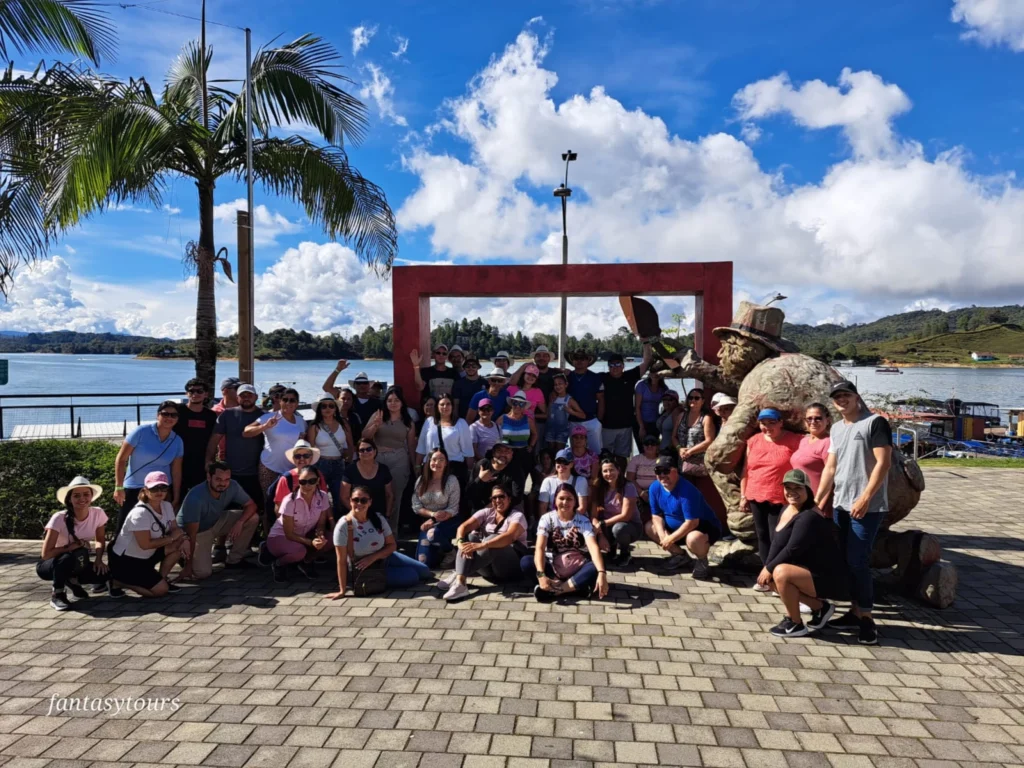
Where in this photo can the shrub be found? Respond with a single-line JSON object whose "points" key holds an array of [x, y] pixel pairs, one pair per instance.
{"points": [[31, 473]]}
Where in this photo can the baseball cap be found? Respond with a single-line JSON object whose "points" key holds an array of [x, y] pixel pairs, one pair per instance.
{"points": [[666, 460], [720, 398], [231, 382], [531, 368], [651, 440], [440, 346], [484, 403], [769, 413], [670, 395], [156, 478], [247, 388], [578, 429], [615, 357], [799, 477], [843, 386], [565, 456]]}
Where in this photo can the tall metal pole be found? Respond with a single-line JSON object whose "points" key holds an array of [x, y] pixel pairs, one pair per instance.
{"points": [[248, 333], [565, 260]]}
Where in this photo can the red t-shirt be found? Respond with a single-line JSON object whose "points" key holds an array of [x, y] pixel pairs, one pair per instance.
{"points": [[767, 464]]}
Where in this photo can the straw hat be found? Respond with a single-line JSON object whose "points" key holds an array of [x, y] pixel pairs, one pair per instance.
{"points": [[762, 324], [302, 445], [78, 482]]}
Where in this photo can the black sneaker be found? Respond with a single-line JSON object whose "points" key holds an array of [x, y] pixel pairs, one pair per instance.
{"points": [[789, 628], [868, 633], [59, 601], [241, 565], [543, 596], [99, 589], [172, 587], [624, 559], [116, 591], [848, 620], [78, 591], [819, 618], [264, 557], [307, 569], [280, 573], [220, 554]]}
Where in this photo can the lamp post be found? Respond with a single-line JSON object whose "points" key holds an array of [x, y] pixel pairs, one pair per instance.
{"points": [[564, 193]]}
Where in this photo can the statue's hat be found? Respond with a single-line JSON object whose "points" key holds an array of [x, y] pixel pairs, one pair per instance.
{"points": [[763, 324]]}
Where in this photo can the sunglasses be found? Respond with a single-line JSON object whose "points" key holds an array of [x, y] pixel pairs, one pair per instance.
{"points": [[367, 449], [499, 497], [169, 414], [289, 400], [471, 365], [196, 391], [328, 406], [302, 455], [314, 481], [695, 398], [160, 489], [615, 365], [359, 500], [659, 471], [486, 409]]}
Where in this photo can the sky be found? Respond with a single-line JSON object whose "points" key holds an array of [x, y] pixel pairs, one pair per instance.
{"points": [[860, 158]]}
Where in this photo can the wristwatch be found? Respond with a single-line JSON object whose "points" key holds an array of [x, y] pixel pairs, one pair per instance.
{"points": [[541, 574]]}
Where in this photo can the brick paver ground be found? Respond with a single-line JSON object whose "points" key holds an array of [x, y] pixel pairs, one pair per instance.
{"points": [[667, 670]]}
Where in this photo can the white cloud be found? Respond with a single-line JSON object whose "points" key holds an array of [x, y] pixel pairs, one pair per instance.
{"points": [[751, 133], [880, 228], [403, 46], [361, 37], [71, 251], [863, 106], [992, 22], [170, 209], [382, 92], [268, 225]]}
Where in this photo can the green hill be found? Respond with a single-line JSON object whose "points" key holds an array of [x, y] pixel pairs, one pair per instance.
{"points": [[1001, 341]]}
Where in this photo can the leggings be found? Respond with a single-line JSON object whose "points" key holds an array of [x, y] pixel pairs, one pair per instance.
{"points": [[63, 567], [766, 517], [287, 551], [496, 565], [584, 579]]}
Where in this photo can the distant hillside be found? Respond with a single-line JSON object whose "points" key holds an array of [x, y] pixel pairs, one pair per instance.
{"points": [[1001, 341]]}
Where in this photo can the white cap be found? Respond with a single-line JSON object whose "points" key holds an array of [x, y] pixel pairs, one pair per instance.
{"points": [[247, 388], [720, 398]]}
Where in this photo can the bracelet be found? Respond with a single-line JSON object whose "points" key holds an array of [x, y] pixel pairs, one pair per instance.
{"points": [[600, 572], [541, 574], [118, 487]]}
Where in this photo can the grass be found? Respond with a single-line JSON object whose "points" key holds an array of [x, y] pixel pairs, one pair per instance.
{"points": [[954, 348], [985, 463]]}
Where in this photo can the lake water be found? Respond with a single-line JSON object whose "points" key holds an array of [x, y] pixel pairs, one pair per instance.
{"points": [[44, 374]]}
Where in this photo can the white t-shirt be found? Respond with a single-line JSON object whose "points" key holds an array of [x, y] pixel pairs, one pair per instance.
{"points": [[85, 530], [280, 438], [366, 538], [141, 519], [565, 535], [549, 487]]}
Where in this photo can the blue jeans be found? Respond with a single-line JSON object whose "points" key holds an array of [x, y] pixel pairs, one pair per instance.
{"points": [[403, 571], [584, 579], [437, 542], [856, 540]]}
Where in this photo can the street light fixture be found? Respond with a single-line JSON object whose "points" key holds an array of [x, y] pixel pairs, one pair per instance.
{"points": [[563, 192]]}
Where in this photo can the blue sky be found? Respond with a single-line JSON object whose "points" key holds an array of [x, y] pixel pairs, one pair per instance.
{"points": [[861, 158]]}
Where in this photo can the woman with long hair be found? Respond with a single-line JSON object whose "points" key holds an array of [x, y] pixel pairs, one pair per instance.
{"points": [[436, 497], [614, 512], [148, 448], [576, 565], [369, 473], [363, 540], [693, 432], [394, 433], [333, 437], [298, 533], [74, 543], [452, 434], [428, 411], [812, 454], [647, 401], [149, 543], [565, 472], [280, 431], [347, 413]]}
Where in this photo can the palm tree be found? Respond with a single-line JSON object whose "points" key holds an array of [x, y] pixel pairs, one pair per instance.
{"points": [[77, 143], [56, 26]]}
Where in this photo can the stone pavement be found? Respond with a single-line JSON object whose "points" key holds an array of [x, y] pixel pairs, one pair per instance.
{"points": [[666, 670]]}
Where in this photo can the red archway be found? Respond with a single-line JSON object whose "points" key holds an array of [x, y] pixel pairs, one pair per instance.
{"points": [[412, 288]]}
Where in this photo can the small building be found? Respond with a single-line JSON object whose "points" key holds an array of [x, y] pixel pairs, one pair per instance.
{"points": [[982, 357]]}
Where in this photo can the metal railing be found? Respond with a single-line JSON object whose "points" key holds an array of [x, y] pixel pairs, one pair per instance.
{"points": [[99, 415]]}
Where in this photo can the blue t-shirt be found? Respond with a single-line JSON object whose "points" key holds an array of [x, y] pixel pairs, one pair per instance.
{"points": [[682, 503], [584, 388], [463, 391], [150, 454], [498, 401], [200, 507]]}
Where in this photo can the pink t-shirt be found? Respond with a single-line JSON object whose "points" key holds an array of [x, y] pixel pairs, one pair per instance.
{"points": [[811, 458], [305, 515], [489, 519], [767, 464], [85, 530], [534, 397]]}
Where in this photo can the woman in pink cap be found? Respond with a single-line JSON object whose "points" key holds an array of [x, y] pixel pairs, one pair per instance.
{"points": [[536, 407], [584, 459], [148, 544]]}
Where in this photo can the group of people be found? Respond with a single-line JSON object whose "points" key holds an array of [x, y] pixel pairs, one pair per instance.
{"points": [[482, 467]]}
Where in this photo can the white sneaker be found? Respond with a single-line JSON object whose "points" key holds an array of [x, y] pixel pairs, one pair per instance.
{"points": [[457, 591], [446, 583], [759, 588]]}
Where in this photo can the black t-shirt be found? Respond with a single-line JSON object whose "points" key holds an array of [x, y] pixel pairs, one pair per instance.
{"points": [[355, 423], [362, 413], [478, 492], [376, 485], [464, 390], [619, 411], [438, 382], [195, 429]]}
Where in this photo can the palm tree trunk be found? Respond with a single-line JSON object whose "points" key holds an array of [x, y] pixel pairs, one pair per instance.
{"points": [[206, 306]]}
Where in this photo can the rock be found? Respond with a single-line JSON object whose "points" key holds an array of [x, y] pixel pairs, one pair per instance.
{"points": [[938, 585], [896, 550], [737, 554]]}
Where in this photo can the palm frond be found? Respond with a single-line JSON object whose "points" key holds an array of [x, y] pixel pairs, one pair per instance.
{"points": [[74, 26], [299, 83], [334, 194]]}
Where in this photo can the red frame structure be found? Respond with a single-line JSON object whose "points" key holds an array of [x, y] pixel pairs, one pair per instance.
{"points": [[413, 287]]}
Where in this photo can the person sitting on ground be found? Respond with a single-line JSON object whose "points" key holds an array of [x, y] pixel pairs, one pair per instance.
{"points": [[149, 543], [484, 431], [300, 455], [680, 516], [363, 539], [491, 544], [211, 510], [67, 559], [804, 564], [298, 532], [561, 408], [584, 458], [614, 512], [571, 539], [436, 497], [565, 473]]}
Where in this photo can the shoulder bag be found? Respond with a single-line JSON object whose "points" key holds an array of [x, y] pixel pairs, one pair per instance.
{"points": [[368, 581]]}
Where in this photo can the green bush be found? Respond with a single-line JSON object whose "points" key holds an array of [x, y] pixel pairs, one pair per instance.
{"points": [[31, 473]]}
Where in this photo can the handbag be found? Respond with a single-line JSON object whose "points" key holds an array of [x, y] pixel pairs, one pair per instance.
{"points": [[567, 564], [368, 581], [694, 469]]}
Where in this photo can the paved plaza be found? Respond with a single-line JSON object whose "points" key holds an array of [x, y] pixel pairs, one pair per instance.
{"points": [[664, 671]]}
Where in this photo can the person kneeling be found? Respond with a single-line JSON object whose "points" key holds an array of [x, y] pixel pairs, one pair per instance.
{"points": [[680, 514], [68, 543], [365, 547], [298, 532], [491, 543], [571, 538], [149, 537], [804, 561]]}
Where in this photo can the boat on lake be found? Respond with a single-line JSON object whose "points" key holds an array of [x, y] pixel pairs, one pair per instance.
{"points": [[888, 369]]}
